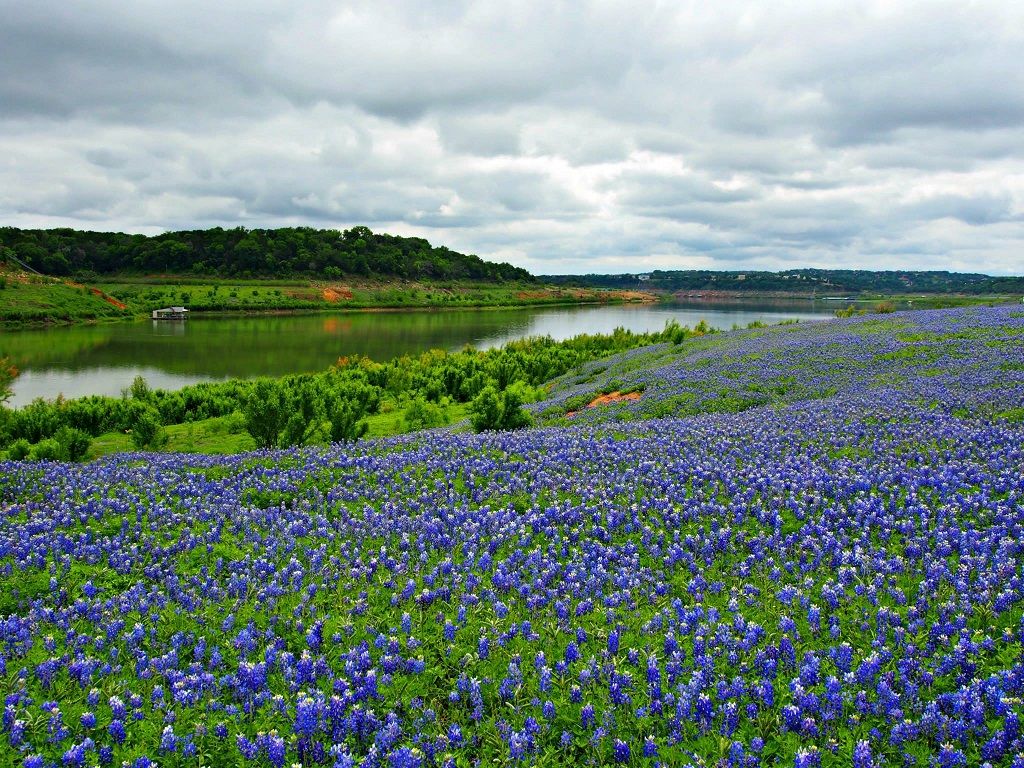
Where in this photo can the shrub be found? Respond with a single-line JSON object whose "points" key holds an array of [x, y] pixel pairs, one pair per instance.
{"points": [[422, 414], [139, 388], [884, 308], [306, 406], [74, 443], [265, 414], [19, 449], [47, 450], [491, 410], [485, 410], [147, 431], [344, 415]]}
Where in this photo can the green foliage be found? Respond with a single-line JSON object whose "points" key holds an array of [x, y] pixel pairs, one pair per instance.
{"points": [[139, 389], [345, 417], [821, 282], [19, 449], [7, 375], [485, 410], [499, 411], [677, 334], [333, 405], [146, 429], [74, 443], [305, 404], [265, 414], [423, 414], [247, 253], [47, 450]]}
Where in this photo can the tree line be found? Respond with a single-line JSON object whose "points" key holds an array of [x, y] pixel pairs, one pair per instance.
{"points": [[805, 281], [240, 252]]}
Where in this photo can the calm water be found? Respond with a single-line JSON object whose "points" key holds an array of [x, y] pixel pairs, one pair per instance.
{"points": [[103, 359]]}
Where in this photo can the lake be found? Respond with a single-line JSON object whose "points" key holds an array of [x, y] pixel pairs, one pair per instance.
{"points": [[103, 359]]}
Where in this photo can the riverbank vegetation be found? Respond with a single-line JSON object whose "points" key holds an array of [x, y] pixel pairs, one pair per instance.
{"points": [[355, 398], [28, 299]]}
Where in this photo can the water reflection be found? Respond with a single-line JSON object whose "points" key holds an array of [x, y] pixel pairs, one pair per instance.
{"points": [[103, 359]]}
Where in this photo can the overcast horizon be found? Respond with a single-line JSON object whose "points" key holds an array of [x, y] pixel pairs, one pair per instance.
{"points": [[563, 138]]}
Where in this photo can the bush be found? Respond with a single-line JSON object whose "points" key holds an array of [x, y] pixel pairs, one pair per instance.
{"points": [[422, 414], [19, 449], [139, 388], [47, 450], [147, 431], [74, 443], [491, 410], [265, 414], [306, 406], [345, 415]]}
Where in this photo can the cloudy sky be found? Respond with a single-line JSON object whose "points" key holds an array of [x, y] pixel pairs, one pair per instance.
{"points": [[560, 136]]}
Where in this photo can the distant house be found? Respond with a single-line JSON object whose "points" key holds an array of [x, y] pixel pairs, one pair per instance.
{"points": [[170, 313], [643, 278]]}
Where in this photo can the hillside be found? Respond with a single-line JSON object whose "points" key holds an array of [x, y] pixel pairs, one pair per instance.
{"points": [[239, 252], [26, 298], [819, 282], [800, 546]]}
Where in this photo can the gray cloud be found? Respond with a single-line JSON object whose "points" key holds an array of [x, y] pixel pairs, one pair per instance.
{"points": [[602, 136]]}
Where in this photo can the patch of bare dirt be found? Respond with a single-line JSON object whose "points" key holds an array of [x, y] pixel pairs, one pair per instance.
{"points": [[336, 294], [109, 299], [610, 397]]}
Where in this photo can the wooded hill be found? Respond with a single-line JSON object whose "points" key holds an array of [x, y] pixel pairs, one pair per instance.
{"points": [[243, 253], [822, 282]]}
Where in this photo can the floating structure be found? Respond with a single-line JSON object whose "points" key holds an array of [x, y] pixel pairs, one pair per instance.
{"points": [[170, 313]]}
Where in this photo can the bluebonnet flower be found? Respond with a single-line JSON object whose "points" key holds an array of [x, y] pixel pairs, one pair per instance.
{"points": [[620, 751]]}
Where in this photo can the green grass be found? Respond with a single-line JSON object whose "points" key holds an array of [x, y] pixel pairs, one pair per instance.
{"points": [[392, 422], [29, 299], [226, 435], [212, 436]]}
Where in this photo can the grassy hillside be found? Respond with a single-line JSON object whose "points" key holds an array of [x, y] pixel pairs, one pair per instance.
{"points": [[800, 546], [26, 299]]}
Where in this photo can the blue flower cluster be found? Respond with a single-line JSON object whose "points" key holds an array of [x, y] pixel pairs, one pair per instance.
{"points": [[830, 575]]}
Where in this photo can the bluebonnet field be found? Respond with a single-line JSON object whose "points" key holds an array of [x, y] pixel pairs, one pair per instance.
{"points": [[819, 564]]}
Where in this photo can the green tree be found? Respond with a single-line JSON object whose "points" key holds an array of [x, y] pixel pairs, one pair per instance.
{"points": [[147, 431], [139, 388], [345, 416], [513, 415], [74, 443], [493, 410], [7, 375], [306, 406], [485, 410], [265, 413]]}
